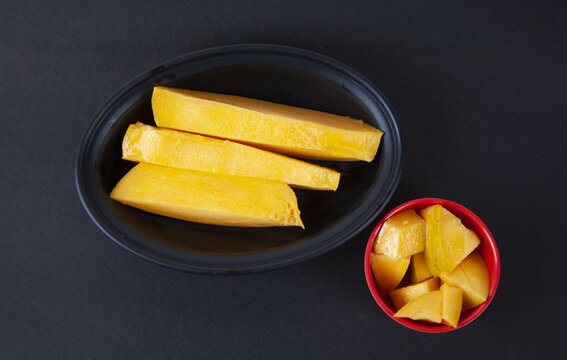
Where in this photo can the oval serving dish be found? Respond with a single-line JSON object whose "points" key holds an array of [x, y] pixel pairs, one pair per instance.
{"points": [[269, 72]]}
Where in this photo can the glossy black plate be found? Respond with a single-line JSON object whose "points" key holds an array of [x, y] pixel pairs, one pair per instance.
{"points": [[275, 73]]}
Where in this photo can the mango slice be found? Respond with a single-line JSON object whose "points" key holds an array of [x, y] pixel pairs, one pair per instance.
{"points": [[447, 240], [144, 143], [402, 296], [418, 270], [452, 304], [426, 307], [388, 272], [208, 198], [402, 235], [275, 127], [472, 277]]}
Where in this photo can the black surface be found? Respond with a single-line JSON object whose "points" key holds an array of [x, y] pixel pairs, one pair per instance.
{"points": [[276, 73], [479, 90]]}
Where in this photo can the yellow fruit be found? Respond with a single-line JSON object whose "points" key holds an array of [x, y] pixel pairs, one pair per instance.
{"points": [[144, 143], [208, 198], [472, 277], [401, 235], [426, 307], [452, 304], [402, 296], [281, 128], [447, 241], [388, 272], [418, 270]]}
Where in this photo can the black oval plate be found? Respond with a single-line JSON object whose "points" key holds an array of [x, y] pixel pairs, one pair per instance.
{"points": [[275, 73]]}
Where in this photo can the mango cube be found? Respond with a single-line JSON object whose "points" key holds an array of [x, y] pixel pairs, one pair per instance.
{"points": [[144, 143], [447, 240], [388, 272], [402, 296], [274, 127], [472, 277], [452, 304], [426, 307], [208, 198], [418, 270], [401, 236]]}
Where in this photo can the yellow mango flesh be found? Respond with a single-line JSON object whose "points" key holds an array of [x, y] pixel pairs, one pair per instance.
{"points": [[401, 235], [426, 307], [447, 240], [418, 270], [472, 277], [208, 198], [402, 296], [388, 272], [144, 143], [275, 127], [452, 304]]}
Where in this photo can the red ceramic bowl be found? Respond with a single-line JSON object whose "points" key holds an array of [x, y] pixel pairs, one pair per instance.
{"points": [[487, 249]]}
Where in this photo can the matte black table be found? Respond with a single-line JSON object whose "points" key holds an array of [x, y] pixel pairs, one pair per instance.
{"points": [[480, 93]]}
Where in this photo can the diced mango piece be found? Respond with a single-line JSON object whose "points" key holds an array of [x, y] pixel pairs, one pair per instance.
{"points": [[402, 296], [401, 235], [472, 277], [144, 143], [447, 240], [418, 270], [388, 272], [452, 304], [281, 128], [208, 198], [426, 307]]}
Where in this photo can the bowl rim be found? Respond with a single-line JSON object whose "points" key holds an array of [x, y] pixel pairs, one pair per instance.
{"points": [[97, 120], [486, 238]]}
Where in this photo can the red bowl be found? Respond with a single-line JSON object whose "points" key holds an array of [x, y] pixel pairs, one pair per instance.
{"points": [[487, 249]]}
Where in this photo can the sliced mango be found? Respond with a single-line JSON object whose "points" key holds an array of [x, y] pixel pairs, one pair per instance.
{"points": [[388, 272], [473, 278], [404, 295], [452, 304], [144, 143], [402, 235], [418, 270], [426, 307], [208, 198], [275, 127], [447, 240]]}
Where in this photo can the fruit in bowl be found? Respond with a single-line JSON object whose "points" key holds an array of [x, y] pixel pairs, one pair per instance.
{"points": [[452, 271]]}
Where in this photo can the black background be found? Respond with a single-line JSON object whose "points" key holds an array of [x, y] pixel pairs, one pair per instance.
{"points": [[480, 93]]}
